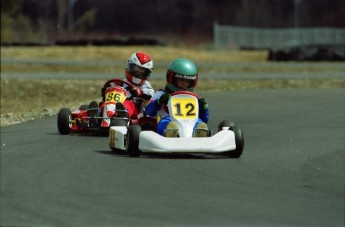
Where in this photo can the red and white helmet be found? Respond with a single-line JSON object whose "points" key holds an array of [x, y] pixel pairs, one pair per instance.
{"points": [[139, 68]]}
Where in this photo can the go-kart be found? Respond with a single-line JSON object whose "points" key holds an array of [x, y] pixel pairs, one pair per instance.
{"points": [[183, 109], [92, 117]]}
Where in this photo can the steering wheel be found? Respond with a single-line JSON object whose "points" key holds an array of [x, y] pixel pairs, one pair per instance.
{"points": [[118, 82]]}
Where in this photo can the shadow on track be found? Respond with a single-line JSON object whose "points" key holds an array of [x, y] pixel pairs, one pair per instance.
{"points": [[163, 155]]}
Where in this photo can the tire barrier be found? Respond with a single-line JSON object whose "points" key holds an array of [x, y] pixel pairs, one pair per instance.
{"points": [[308, 53]]}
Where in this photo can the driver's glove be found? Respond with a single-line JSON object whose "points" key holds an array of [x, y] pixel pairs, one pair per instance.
{"points": [[202, 105], [164, 99], [136, 92]]}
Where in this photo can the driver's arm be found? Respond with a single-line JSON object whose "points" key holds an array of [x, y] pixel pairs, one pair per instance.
{"points": [[145, 91], [153, 107]]}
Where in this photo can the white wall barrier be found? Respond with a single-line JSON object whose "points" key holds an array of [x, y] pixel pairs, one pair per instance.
{"points": [[234, 37]]}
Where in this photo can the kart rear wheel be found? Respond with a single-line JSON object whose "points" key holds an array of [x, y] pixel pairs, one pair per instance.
{"points": [[64, 121], [239, 138], [132, 140], [118, 122], [83, 107]]}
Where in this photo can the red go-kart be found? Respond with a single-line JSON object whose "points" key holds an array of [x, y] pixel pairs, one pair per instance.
{"points": [[91, 118]]}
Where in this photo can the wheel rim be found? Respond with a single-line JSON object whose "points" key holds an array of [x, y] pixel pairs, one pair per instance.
{"points": [[70, 121]]}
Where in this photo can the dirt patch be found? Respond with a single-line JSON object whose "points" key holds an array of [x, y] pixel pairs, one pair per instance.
{"points": [[16, 118]]}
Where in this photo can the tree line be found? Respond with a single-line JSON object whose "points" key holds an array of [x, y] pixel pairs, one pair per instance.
{"points": [[35, 20]]}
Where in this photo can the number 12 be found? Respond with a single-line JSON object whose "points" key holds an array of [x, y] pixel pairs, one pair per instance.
{"points": [[189, 107]]}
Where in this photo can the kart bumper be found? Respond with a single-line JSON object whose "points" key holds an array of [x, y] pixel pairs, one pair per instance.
{"points": [[223, 141]]}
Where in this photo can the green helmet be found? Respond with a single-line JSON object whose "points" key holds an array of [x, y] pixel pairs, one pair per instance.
{"points": [[181, 68]]}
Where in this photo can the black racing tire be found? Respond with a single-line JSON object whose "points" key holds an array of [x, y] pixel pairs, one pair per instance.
{"points": [[239, 138], [118, 122], [64, 121], [225, 124], [83, 107], [132, 140]]}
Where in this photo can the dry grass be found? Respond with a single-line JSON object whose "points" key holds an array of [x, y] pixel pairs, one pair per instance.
{"points": [[92, 59], [158, 53], [113, 59], [37, 95], [23, 99]]}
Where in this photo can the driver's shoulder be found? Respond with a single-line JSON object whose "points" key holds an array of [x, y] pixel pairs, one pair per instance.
{"points": [[158, 94]]}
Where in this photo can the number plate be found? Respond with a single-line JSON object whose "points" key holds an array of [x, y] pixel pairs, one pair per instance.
{"points": [[115, 97], [184, 108]]}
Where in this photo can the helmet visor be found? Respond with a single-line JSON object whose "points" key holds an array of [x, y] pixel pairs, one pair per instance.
{"points": [[183, 83], [139, 72]]}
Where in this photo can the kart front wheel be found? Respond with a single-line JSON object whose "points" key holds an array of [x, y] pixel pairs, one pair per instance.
{"points": [[64, 121], [239, 138], [132, 140]]}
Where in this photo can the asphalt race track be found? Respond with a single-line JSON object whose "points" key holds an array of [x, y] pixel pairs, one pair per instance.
{"points": [[290, 174]]}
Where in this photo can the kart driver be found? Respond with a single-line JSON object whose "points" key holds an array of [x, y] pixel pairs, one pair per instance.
{"points": [[182, 75], [138, 70]]}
